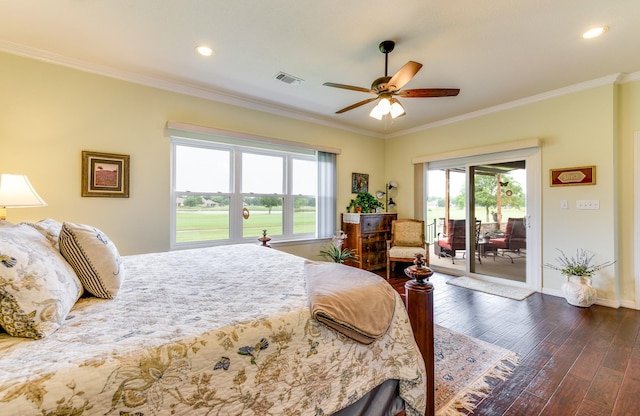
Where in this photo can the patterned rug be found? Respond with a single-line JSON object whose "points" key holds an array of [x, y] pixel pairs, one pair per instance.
{"points": [[463, 369], [505, 291]]}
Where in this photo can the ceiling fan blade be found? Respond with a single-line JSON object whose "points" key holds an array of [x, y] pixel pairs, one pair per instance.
{"points": [[351, 107], [429, 92], [349, 87], [404, 75]]}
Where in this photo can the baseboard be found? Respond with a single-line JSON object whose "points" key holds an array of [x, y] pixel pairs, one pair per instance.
{"points": [[602, 302]]}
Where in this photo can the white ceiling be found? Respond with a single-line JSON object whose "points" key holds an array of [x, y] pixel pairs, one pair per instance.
{"points": [[496, 51]]}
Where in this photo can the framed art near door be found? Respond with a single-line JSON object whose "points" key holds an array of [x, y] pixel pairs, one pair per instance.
{"points": [[105, 175]]}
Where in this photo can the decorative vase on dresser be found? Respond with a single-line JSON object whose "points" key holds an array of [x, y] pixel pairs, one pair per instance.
{"points": [[367, 235]]}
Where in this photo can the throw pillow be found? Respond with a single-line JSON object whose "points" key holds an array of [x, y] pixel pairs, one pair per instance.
{"points": [[38, 288], [94, 257], [49, 228]]}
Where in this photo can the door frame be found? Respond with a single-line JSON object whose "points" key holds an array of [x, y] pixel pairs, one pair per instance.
{"points": [[531, 154]]}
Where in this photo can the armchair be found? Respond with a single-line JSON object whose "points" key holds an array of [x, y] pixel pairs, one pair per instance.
{"points": [[407, 239]]}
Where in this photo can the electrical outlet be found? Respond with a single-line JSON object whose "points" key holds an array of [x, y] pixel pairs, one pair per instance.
{"points": [[587, 204]]}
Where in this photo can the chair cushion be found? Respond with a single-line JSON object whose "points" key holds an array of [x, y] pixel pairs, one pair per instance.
{"points": [[406, 252], [444, 243]]}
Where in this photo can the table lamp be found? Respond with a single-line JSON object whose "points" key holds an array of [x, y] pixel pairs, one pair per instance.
{"points": [[16, 192]]}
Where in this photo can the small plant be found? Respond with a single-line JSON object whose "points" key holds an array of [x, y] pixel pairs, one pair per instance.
{"points": [[366, 201], [339, 254], [580, 265], [336, 253]]}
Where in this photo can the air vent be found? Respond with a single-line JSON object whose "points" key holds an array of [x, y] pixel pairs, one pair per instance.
{"points": [[288, 79]]}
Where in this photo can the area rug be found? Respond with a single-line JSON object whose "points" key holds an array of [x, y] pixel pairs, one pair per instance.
{"points": [[464, 367], [497, 289]]}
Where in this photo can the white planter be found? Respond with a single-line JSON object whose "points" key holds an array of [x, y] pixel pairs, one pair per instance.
{"points": [[579, 292]]}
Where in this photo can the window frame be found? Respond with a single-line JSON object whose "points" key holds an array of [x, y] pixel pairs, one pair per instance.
{"points": [[236, 197]]}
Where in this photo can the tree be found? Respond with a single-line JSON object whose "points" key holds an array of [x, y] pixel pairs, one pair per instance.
{"points": [[270, 202], [486, 193], [192, 201]]}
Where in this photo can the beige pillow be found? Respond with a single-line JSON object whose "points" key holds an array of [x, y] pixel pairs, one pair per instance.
{"points": [[37, 286], [94, 257]]}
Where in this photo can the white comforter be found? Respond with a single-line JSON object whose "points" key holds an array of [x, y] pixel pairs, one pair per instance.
{"points": [[216, 331]]}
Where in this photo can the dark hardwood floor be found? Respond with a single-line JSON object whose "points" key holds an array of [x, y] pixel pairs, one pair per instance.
{"points": [[573, 361]]}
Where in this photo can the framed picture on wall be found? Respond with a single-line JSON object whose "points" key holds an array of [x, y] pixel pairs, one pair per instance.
{"points": [[359, 182], [583, 175], [105, 175]]}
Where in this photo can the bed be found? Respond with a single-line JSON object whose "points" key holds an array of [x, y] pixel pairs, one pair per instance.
{"points": [[215, 331]]}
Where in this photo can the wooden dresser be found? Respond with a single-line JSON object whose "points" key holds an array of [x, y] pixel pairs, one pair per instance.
{"points": [[367, 234]]}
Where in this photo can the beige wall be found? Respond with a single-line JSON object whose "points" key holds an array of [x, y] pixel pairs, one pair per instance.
{"points": [[592, 127], [628, 123], [49, 114]]}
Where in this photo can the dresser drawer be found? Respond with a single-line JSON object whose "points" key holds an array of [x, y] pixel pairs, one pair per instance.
{"points": [[374, 242], [374, 260], [372, 224]]}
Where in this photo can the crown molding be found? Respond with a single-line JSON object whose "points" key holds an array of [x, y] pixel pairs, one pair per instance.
{"points": [[279, 110], [177, 87], [572, 89]]}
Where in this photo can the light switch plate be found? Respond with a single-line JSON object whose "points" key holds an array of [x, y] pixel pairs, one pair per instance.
{"points": [[588, 204], [564, 204]]}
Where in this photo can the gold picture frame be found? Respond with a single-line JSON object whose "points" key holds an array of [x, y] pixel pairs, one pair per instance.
{"points": [[581, 175], [105, 175]]}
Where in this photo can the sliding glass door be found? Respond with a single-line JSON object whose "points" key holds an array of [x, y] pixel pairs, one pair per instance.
{"points": [[478, 215]]}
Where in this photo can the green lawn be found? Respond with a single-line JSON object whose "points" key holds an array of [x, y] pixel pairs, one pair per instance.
{"points": [[214, 224]]}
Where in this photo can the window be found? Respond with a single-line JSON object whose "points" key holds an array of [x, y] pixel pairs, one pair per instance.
{"points": [[229, 193]]}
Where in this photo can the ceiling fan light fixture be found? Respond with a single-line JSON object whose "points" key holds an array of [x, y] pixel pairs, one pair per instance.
{"points": [[385, 106], [397, 110], [376, 113]]}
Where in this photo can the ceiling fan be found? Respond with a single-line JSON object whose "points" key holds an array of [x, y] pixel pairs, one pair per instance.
{"points": [[387, 88]]}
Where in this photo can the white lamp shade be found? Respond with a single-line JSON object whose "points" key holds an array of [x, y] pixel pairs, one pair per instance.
{"points": [[16, 192]]}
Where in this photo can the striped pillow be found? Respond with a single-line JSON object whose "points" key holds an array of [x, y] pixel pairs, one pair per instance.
{"points": [[94, 258]]}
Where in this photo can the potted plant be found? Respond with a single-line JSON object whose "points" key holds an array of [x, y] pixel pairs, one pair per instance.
{"points": [[339, 255], [579, 271], [366, 202], [336, 253]]}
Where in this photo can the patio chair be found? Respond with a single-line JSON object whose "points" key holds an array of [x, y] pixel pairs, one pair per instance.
{"points": [[514, 240], [446, 245]]}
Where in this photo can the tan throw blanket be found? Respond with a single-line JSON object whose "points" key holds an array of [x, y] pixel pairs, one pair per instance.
{"points": [[354, 302]]}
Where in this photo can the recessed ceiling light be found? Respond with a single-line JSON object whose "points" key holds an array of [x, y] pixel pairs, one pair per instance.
{"points": [[204, 50], [595, 32]]}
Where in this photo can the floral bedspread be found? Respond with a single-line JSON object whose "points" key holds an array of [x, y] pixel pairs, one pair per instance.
{"points": [[215, 331]]}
